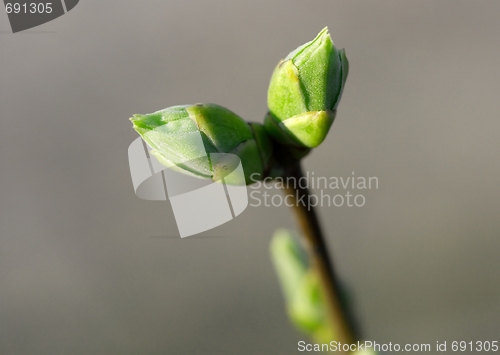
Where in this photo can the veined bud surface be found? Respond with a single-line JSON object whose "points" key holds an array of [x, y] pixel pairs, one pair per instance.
{"points": [[304, 92], [174, 136]]}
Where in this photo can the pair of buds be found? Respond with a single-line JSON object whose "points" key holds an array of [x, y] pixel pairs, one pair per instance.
{"points": [[303, 96]]}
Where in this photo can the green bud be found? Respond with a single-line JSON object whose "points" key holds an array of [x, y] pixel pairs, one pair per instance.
{"points": [[305, 91], [174, 136], [365, 352], [307, 309], [304, 301]]}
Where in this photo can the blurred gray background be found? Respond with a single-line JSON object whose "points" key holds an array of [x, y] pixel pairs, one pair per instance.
{"points": [[88, 268]]}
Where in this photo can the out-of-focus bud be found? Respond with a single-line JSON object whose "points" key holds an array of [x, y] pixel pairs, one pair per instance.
{"points": [[174, 136], [300, 285], [305, 91], [365, 352]]}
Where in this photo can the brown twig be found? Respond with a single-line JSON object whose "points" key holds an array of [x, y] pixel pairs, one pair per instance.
{"points": [[338, 315]]}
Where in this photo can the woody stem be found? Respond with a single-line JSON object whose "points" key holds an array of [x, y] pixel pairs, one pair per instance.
{"points": [[338, 314]]}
